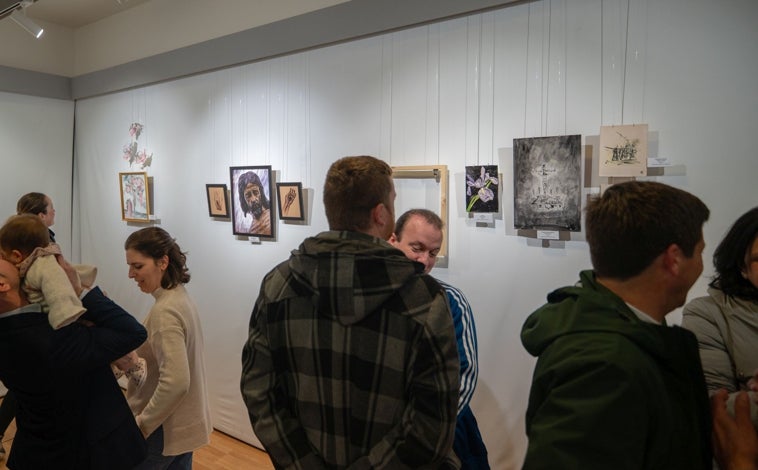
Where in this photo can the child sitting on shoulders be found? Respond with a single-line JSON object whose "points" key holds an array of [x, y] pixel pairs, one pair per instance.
{"points": [[25, 242]]}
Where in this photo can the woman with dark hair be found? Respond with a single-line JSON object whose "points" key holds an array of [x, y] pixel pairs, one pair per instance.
{"points": [[726, 321], [40, 205], [171, 407]]}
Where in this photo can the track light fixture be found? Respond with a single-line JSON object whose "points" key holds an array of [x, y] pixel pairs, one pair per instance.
{"points": [[22, 20]]}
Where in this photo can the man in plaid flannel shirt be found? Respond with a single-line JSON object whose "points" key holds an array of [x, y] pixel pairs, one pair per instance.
{"points": [[351, 360]]}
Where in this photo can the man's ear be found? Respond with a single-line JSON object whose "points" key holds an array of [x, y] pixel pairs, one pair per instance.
{"points": [[5, 283], [377, 214], [393, 238], [672, 258]]}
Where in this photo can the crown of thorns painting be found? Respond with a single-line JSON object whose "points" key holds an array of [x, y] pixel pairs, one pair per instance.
{"points": [[547, 183]]}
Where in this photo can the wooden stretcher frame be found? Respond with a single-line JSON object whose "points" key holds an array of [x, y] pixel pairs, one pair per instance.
{"points": [[439, 174]]}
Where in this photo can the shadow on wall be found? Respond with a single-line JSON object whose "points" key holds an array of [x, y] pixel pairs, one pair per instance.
{"points": [[502, 430]]}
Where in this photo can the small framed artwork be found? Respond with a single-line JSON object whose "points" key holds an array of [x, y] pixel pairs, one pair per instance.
{"points": [[623, 150], [218, 202], [290, 197], [547, 183], [252, 190], [135, 199], [482, 188]]}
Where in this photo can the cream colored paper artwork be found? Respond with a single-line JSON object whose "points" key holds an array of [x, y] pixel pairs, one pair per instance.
{"points": [[623, 150]]}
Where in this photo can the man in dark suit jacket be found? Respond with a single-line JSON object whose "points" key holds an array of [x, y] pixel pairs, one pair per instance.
{"points": [[71, 412]]}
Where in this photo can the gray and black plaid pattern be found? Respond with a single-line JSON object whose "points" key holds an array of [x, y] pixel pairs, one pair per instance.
{"points": [[351, 359]]}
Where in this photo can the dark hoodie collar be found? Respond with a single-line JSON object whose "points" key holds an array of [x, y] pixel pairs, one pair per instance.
{"points": [[586, 307], [350, 274]]}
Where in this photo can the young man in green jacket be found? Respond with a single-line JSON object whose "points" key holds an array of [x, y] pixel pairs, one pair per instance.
{"points": [[614, 386]]}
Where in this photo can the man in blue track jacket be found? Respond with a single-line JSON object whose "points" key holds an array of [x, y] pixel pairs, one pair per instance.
{"points": [[418, 234]]}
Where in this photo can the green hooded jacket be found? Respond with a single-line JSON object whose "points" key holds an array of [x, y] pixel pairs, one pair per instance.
{"points": [[610, 391]]}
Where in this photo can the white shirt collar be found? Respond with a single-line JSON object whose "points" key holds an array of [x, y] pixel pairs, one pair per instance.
{"points": [[642, 315]]}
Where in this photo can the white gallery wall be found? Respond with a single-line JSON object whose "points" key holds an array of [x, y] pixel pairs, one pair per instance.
{"points": [[36, 151], [454, 93], [37, 137]]}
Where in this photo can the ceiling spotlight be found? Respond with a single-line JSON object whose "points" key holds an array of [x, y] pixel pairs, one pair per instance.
{"points": [[26, 23]]}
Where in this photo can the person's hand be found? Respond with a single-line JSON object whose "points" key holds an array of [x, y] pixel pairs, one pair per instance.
{"points": [[735, 441], [71, 273], [262, 225], [752, 384]]}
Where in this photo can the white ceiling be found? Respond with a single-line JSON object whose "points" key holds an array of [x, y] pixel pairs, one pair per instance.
{"points": [[77, 13], [84, 36]]}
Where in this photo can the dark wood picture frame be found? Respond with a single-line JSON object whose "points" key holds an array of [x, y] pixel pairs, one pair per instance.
{"points": [[290, 199], [243, 179], [218, 200]]}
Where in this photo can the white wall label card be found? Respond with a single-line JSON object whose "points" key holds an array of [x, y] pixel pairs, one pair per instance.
{"points": [[548, 235], [483, 217], [653, 162]]}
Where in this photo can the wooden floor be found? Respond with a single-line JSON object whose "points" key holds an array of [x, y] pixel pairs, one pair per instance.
{"points": [[223, 453], [228, 453]]}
